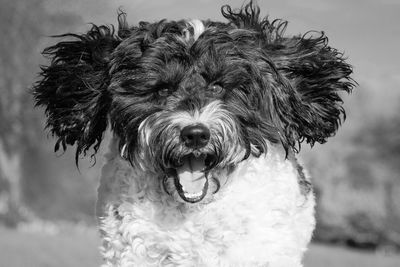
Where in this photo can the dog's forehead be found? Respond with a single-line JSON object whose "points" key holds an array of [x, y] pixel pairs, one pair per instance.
{"points": [[175, 39], [175, 46], [175, 53], [198, 28]]}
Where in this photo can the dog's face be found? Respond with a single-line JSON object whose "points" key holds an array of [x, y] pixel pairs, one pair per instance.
{"points": [[189, 100], [185, 101]]}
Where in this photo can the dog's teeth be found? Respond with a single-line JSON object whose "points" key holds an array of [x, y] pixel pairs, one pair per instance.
{"points": [[193, 195]]}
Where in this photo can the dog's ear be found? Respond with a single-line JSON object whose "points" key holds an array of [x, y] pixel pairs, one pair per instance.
{"points": [[73, 87], [311, 75], [303, 76]]}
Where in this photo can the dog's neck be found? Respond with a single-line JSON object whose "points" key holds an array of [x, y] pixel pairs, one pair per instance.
{"points": [[257, 206]]}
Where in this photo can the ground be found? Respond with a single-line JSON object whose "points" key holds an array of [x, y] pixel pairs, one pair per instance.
{"points": [[78, 247]]}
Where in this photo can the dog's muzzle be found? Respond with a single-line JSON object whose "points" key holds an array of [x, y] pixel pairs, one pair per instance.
{"points": [[191, 175]]}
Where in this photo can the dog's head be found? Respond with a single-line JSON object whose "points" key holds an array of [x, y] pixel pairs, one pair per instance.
{"points": [[191, 99]]}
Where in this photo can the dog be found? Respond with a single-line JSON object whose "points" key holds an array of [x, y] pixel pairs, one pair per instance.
{"points": [[207, 119]]}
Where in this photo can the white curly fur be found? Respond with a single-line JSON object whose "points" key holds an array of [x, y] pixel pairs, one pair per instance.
{"points": [[260, 217]]}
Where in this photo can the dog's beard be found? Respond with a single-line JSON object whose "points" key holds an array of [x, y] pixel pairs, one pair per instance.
{"points": [[190, 174]]}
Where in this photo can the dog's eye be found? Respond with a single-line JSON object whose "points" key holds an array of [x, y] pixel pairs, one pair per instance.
{"points": [[216, 89], [164, 92]]}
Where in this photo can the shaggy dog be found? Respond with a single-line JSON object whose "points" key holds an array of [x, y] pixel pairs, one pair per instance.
{"points": [[207, 118]]}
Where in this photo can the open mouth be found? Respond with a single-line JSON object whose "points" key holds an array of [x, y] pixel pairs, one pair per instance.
{"points": [[191, 178]]}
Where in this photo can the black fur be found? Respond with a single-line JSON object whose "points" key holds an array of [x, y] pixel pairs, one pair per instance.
{"points": [[278, 88], [74, 88], [309, 75]]}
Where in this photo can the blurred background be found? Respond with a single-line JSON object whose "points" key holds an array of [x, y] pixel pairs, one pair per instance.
{"points": [[47, 204]]}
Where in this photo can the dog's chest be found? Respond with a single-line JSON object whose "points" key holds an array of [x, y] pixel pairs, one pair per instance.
{"points": [[258, 217]]}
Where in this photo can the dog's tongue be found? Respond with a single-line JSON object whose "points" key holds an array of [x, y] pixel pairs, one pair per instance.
{"points": [[190, 174]]}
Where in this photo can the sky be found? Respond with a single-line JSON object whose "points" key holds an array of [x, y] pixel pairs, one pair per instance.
{"points": [[367, 31]]}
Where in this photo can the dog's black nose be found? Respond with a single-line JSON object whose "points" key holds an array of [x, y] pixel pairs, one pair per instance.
{"points": [[195, 136]]}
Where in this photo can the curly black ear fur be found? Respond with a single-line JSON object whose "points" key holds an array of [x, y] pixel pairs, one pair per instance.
{"points": [[73, 88], [310, 103], [308, 77]]}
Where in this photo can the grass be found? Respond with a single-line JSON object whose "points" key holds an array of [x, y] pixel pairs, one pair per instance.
{"points": [[35, 249], [332, 256], [79, 249]]}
